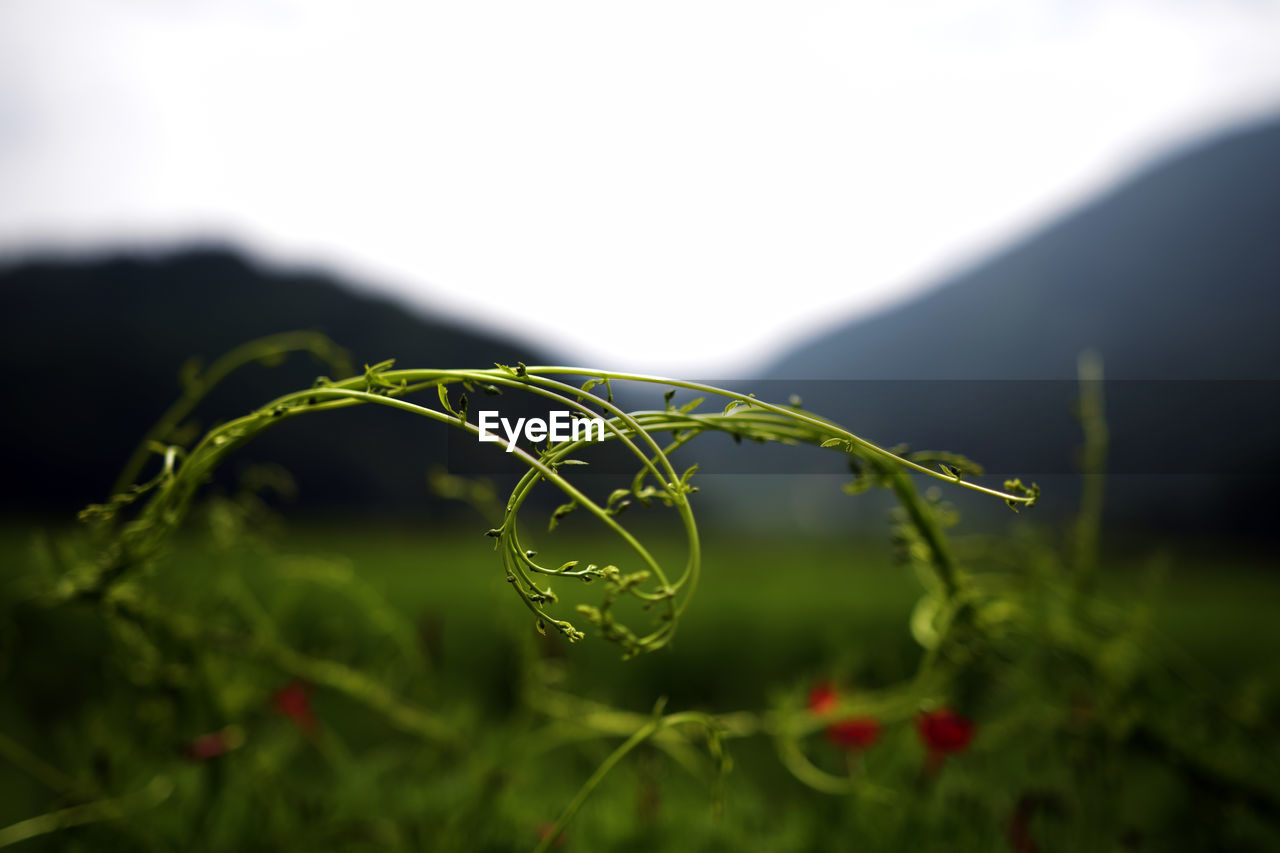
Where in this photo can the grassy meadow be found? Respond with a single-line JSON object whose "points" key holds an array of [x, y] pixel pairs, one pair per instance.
{"points": [[203, 740]]}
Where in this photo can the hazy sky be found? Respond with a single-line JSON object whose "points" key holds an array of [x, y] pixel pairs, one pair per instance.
{"points": [[599, 174]]}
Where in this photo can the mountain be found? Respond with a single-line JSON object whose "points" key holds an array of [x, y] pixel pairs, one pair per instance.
{"points": [[1174, 274], [1173, 277], [93, 350]]}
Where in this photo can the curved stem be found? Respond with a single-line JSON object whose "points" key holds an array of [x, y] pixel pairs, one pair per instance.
{"points": [[836, 431], [159, 790], [642, 734]]}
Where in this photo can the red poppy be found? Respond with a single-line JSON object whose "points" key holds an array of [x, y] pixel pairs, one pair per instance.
{"points": [[294, 701], [944, 731], [823, 699], [854, 733]]}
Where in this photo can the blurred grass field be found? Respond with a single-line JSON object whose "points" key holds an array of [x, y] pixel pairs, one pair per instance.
{"points": [[773, 608], [429, 611]]}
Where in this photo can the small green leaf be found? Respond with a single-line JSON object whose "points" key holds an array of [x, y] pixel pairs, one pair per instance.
{"points": [[373, 377], [443, 391], [945, 460], [684, 478], [861, 482], [560, 512], [856, 486], [1032, 493], [691, 405]]}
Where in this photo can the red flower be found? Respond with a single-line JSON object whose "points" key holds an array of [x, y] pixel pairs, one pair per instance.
{"points": [[294, 701], [854, 733], [214, 744], [822, 698], [849, 733], [944, 731]]}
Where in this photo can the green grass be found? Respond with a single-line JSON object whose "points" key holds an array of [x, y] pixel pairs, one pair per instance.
{"points": [[773, 616], [791, 600], [175, 677]]}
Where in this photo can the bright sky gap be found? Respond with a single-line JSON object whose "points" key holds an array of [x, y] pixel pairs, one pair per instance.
{"points": [[671, 187]]}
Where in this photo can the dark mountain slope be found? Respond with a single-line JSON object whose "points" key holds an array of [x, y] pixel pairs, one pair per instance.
{"points": [[92, 352], [1173, 277], [1175, 274]]}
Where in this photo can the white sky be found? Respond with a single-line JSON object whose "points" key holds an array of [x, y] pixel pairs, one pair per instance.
{"points": [[679, 187]]}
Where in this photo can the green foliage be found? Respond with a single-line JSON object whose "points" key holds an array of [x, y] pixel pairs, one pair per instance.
{"points": [[189, 725]]}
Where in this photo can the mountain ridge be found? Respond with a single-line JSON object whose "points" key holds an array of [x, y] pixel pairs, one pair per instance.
{"points": [[97, 346], [1159, 252], [1172, 277]]}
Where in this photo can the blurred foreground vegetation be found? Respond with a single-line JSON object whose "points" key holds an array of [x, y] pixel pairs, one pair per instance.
{"points": [[183, 672], [1159, 734]]}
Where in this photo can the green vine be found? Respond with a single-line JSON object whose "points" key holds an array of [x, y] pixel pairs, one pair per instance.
{"points": [[133, 541], [132, 527]]}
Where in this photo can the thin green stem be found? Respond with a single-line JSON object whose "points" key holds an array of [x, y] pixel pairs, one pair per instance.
{"points": [[836, 431], [642, 734], [114, 808], [196, 387]]}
